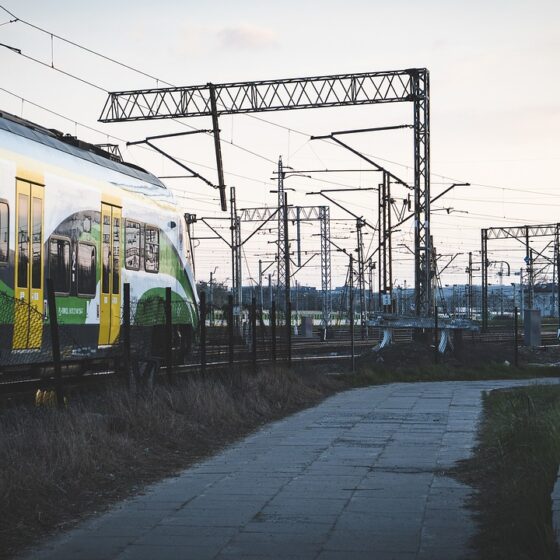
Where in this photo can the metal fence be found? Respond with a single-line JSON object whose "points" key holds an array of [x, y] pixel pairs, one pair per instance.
{"points": [[156, 330], [155, 334], [26, 339], [160, 334]]}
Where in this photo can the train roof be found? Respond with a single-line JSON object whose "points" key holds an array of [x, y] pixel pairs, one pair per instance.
{"points": [[73, 146]]}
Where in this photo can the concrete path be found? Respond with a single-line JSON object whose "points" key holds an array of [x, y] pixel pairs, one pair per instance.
{"points": [[361, 476]]}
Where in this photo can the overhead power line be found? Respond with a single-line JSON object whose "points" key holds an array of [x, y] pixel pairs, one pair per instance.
{"points": [[82, 47], [103, 89], [69, 119], [159, 80], [112, 136]]}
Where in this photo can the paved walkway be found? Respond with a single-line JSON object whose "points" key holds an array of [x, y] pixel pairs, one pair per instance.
{"points": [[361, 476]]}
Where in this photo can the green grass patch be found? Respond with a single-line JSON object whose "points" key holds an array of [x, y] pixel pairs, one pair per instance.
{"points": [[374, 374], [513, 471]]}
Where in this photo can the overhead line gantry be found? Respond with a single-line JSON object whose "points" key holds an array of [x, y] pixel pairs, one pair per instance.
{"points": [[213, 100], [524, 235]]}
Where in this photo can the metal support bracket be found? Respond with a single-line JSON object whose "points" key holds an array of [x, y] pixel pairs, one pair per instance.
{"points": [[386, 340], [148, 142], [444, 341], [217, 146]]}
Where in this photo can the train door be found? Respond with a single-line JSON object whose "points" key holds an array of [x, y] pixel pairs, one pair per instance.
{"points": [[110, 251], [29, 271]]}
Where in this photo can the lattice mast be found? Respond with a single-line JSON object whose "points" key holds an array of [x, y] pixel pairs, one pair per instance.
{"points": [[325, 222], [422, 237], [361, 277], [281, 249], [236, 271], [385, 248]]}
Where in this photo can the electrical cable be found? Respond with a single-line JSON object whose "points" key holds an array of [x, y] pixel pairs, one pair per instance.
{"points": [[32, 103], [70, 75], [160, 80], [124, 65], [106, 91], [91, 51], [119, 139]]}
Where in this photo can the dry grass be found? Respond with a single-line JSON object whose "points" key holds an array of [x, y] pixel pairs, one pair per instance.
{"points": [[54, 466]]}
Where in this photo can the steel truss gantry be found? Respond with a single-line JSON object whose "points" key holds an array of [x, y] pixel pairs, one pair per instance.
{"points": [[523, 234], [410, 85], [306, 214], [266, 95]]}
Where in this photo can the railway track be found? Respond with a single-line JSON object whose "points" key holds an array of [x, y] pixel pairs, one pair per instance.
{"points": [[22, 383], [28, 386]]}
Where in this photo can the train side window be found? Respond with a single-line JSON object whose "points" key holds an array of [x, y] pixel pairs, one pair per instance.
{"points": [[4, 232], [151, 249], [116, 254], [106, 251], [36, 242], [86, 269], [23, 241], [59, 264], [132, 245]]}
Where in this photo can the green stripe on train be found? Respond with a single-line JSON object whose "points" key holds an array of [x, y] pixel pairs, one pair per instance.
{"points": [[6, 305], [150, 309]]}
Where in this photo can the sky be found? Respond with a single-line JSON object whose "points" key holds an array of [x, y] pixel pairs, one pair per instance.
{"points": [[495, 113]]}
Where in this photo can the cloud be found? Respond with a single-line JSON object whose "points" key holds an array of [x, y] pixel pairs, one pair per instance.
{"points": [[190, 41], [244, 37]]}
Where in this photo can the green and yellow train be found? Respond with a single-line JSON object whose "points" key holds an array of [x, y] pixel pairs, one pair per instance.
{"points": [[75, 213]]}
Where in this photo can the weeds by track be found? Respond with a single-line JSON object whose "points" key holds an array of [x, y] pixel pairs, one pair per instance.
{"points": [[19, 383]]}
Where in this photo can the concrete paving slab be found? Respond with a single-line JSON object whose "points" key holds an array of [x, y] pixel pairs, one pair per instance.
{"points": [[362, 475]]}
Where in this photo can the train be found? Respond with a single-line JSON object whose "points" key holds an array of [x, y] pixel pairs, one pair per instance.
{"points": [[77, 215]]}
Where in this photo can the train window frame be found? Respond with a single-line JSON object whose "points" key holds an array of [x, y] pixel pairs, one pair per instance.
{"points": [[140, 246], [156, 228], [69, 241], [7, 261], [81, 294]]}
